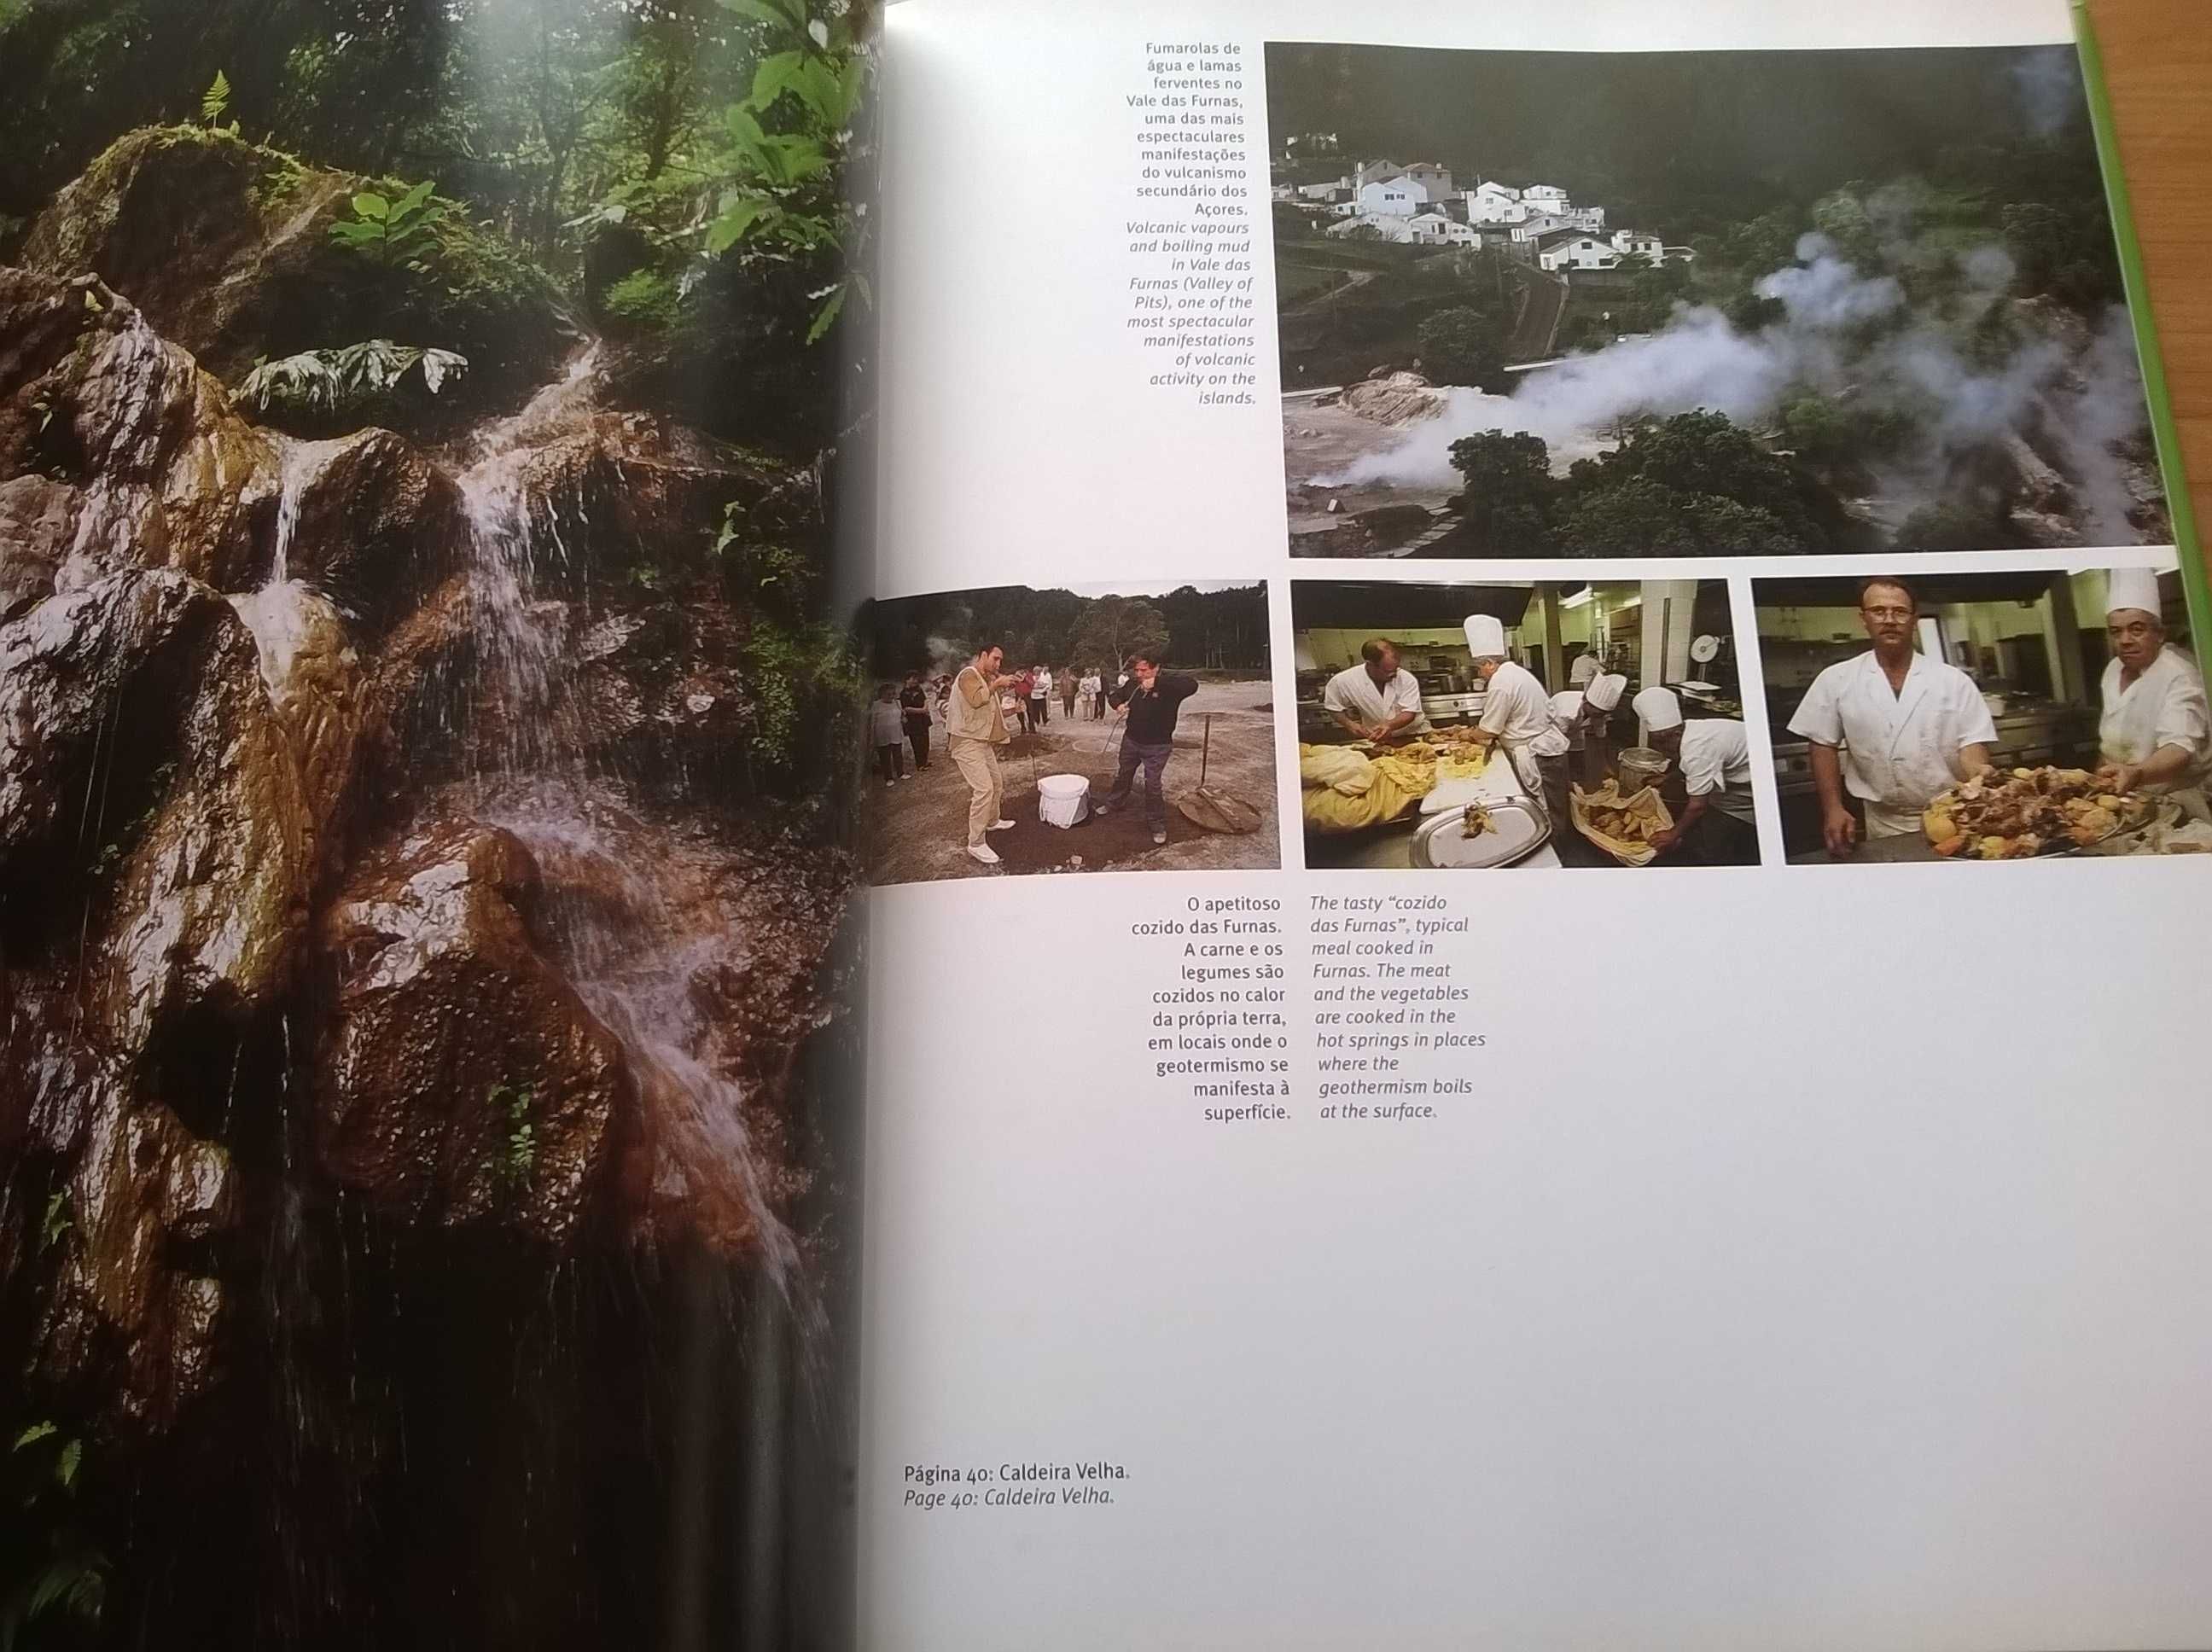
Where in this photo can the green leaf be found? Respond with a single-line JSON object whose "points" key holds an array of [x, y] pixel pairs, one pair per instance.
{"points": [[371, 205], [743, 127], [414, 197], [815, 84], [725, 231], [65, 1467], [827, 314], [758, 10], [773, 75], [215, 99], [33, 1434]]}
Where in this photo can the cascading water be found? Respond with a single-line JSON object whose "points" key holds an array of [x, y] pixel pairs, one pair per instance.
{"points": [[639, 936]]}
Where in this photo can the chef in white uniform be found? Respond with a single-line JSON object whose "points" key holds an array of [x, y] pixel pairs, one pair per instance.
{"points": [[1584, 716], [1891, 726], [1715, 824], [1378, 699], [1586, 670], [1517, 715], [2155, 734]]}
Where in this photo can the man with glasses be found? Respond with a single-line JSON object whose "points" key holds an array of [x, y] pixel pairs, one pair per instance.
{"points": [[1890, 728], [2154, 734]]}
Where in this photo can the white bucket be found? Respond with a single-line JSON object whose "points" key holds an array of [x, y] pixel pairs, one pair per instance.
{"points": [[1063, 799]]}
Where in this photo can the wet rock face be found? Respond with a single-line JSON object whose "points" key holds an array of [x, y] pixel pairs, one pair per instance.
{"points": [[137, 1308], [633, 500], [153, 850], [117, 449], [377, 523], [272, 924], [463, 1080]]}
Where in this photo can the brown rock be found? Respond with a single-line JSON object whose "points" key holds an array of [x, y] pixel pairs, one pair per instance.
{"points": [[226, 246], [463, 1080], [317, 689], [373, 524], [157, 469], [132, 1315]]}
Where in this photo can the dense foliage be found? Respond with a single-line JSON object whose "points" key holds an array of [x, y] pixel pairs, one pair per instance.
{"points": [[684, 167], [1221, 629], [1692, 485]]}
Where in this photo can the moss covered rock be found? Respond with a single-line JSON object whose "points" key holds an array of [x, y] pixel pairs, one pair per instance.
{"points": [[226, 246]]}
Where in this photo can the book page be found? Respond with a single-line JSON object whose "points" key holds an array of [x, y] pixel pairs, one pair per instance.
{"points": [[1579, 1030], [429, 936]]}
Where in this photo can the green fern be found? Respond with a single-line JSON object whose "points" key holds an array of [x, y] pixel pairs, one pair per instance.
{"points": [[216, 99]]}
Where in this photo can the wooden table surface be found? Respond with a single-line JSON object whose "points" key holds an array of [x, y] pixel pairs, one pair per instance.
{"points": [[2158, 65]]}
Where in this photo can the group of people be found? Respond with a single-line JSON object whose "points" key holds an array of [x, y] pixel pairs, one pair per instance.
{"points": [[904, 716], [1889, 729], [1029, 693], [1555, 740], [982, 699]]}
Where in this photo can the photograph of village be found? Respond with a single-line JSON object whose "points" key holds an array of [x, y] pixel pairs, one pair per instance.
{"points": [[1729, 303], [1123, 728]]}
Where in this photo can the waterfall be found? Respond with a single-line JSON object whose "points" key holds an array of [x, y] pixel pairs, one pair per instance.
{"points": [[634, 923]]}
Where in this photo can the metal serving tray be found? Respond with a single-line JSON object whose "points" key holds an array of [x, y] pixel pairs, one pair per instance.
{"points": [[1518, 829]]}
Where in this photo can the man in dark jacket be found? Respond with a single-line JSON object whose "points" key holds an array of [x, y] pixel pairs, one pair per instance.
{"points": [[1149, 700]]}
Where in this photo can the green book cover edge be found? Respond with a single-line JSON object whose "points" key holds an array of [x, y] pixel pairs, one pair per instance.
{"points": [[2164, 433]]}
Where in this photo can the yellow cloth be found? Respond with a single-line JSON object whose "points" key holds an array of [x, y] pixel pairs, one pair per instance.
{"points": [[1335, 766], [1384, 788], [1645, 807]]}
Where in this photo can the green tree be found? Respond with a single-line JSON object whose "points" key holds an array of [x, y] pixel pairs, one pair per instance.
{"points": [[1112, 628], [1462, 346], [1506, 506]]}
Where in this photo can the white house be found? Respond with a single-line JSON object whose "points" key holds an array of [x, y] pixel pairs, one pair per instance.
{"points": [[1572, 250], [1373, 172], [1381, 226], [1336, 188], [1492, 203], [1545, 198], [1637, 243], [1440, 229], [1679, 255], [1590, 221], [1399, 196]]}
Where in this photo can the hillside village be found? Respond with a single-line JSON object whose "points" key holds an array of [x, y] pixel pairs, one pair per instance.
{"points": [[1420, 204]]}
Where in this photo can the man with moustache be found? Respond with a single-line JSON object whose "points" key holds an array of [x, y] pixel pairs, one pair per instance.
{"points": [[1890, 728]]}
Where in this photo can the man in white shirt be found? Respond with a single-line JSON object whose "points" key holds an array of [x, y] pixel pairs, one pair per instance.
{"points": [[1585, 671], [1716, 825], [1516, 715], [1378, 699], [2155, 733], [1890, 726]]}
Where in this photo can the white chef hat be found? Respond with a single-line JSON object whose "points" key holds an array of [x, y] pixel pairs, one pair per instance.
{"points": [[1604, 692], [1486, 636], [2132, 587], [1659, 708]]}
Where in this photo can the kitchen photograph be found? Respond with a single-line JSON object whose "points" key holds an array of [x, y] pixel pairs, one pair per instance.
{"points": [[1477, 726], [1983, 716]]}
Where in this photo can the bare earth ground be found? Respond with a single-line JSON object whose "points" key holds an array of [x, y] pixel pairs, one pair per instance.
{"points": [[918, 829], [1321, 440]]}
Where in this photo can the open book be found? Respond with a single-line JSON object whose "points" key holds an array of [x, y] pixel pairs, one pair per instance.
{"points": [[700, 706]]}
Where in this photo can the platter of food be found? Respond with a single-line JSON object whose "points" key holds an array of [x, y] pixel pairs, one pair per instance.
{"points": [[2019, 814], [1495, 832]]}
